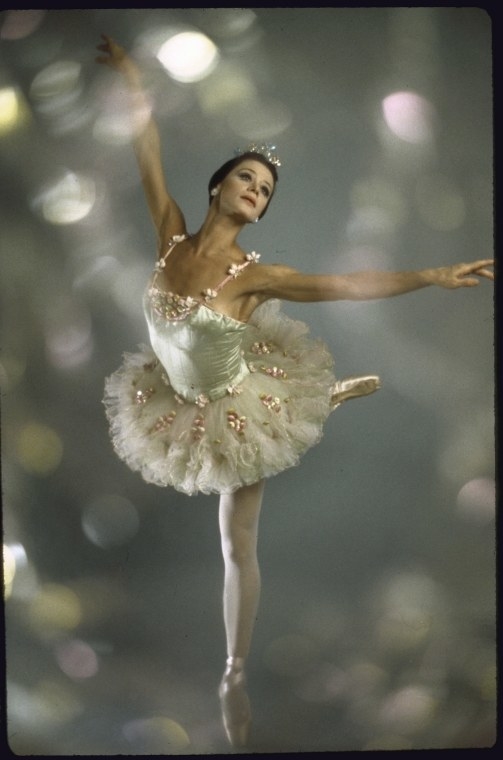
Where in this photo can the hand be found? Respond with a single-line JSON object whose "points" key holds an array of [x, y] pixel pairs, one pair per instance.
{"points": [[458, 275], [115, 56]]}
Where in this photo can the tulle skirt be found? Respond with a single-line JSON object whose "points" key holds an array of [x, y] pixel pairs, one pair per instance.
{"points": [[257, 430]]}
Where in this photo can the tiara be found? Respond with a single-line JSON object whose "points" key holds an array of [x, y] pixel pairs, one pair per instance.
{"points": [[265, 150]]}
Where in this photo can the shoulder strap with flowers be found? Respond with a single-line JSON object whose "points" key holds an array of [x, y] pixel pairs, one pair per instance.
{"points": [[162, 261], [210, 293], [233, 272]]}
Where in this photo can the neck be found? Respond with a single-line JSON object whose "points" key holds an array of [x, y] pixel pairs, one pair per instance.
{"points": [[218, 231]]}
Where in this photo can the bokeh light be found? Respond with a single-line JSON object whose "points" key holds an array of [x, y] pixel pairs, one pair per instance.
{"points": [[9, 568], [13, 109], [110, 520], [188, 56], [466, 454], [17, 24], [158, 734], [409, 116], [77, 659], [57, 85], [378, 211], [409, 709], [380, 194], [233, 86], [67, 200], [410, 602], [120, 117], [69, 341], [229, 23], [476, 501], [39, 448], [439, 203], [55, 608], [43, 708], [57, 95], [20, 580]]}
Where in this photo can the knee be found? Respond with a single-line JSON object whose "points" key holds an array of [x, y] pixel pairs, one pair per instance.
{"points": [[240, 547]]}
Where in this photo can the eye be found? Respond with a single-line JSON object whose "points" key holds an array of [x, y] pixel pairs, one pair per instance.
{"points": [[265, 191], [245, 175]]}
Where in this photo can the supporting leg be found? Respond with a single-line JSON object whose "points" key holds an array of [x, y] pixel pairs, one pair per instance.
{"points": [[238, 518]]}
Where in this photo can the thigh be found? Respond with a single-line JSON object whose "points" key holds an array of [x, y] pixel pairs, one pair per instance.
{"points": [[241, 509]]}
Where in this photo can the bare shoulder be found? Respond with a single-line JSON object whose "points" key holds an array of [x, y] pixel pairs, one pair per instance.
{"points": [[271, 272], [264, 276]]}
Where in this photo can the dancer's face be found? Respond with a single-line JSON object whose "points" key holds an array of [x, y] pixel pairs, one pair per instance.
{"points": [[247, 189]]}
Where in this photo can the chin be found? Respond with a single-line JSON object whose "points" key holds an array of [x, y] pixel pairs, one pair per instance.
{"points": [[245, 216]]}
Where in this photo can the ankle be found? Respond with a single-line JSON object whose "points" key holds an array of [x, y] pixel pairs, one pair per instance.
{"points": [[234, 664]]}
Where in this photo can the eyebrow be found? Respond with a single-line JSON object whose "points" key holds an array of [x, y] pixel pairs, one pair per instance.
{"points": [[249, 169]]}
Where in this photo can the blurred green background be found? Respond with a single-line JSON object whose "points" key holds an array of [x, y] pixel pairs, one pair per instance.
{"points": [[376, 628]]}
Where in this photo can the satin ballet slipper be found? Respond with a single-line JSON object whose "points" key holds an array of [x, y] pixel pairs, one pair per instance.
{"points": [[236, 711], [353, 387]]}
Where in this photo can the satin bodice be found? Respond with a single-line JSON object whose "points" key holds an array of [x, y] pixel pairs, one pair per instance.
{"points": [[199, 348], [200, 353]]}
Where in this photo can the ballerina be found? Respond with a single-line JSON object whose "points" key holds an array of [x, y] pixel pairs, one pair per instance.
{"points": [[231, 391]]}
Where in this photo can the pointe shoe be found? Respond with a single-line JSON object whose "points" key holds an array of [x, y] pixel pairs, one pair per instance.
{"points": [[352, 387], [236, 711]]}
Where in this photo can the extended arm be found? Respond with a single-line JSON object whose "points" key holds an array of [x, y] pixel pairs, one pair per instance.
{"points": [[167, 217], [289, 284]]}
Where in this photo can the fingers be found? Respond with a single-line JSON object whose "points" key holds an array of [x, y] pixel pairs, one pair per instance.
{"points": [[480, 269], [485, 273], [480, 266], [107, 45], [465, 280], [104, 48], [114, 52]]}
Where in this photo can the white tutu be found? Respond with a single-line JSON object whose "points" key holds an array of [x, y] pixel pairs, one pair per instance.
{"points": [[260, 428]]}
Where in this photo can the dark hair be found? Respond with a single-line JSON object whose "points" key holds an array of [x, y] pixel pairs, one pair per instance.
{"points": [[226, 168]]}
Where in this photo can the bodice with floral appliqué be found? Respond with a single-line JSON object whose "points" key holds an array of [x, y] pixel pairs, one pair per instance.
{"points": [[199, 348]]}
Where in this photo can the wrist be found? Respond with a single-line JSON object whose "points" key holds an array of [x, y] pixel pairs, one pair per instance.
{"points": [[428, 276]]}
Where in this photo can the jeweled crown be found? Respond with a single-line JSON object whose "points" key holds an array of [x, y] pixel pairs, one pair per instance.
{"points": [[265, 149]]}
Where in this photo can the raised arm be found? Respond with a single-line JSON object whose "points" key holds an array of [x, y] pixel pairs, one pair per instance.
{"points": [[291, 285], [166, 215]]}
